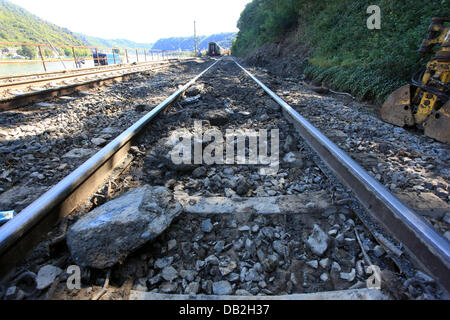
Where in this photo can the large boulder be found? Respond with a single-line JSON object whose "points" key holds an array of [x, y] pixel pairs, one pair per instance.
{"points": [[107, 234]]}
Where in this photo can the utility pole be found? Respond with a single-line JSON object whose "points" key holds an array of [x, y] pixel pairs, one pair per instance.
{"points": [[195, 39]]}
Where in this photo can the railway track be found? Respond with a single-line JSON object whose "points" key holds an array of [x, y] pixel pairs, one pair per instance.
{"points": [[26, 89], [243, 231]]}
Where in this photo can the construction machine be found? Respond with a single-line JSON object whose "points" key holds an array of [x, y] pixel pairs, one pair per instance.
{"points": [[425, 102]]}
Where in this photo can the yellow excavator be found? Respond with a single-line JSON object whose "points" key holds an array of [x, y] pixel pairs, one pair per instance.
{"points": [[426, 101]]}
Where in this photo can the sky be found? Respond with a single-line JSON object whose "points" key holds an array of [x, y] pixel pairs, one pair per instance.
{"points": [[139, 20]]}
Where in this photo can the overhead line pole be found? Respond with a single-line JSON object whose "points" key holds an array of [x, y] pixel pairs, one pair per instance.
{"points": [[195, 39]]}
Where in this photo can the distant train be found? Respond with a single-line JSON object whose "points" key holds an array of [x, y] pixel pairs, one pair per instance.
{"points": [[215, 50]]}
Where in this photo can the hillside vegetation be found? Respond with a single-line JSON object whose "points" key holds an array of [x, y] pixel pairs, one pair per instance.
{"points": [[188, 43], [19, 25], [344, 52], [112, 43]]}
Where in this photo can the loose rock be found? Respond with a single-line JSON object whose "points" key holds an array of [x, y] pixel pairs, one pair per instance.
{"points": [[46, 276], [222, 288], [318, 241], [110, 232]]}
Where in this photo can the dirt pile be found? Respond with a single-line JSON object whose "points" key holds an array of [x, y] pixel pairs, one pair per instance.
{"points": [[283, 58]]}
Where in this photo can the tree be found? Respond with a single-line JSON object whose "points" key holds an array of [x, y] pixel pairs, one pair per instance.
{"points": [[27, 51]]}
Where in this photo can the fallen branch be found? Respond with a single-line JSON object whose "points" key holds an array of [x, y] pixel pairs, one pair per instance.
{"points": [[366, 256], [343, 93], [104, 289]]}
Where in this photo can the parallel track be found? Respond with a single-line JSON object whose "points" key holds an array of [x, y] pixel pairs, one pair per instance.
{"points": [[428, 248], [23, 91]]}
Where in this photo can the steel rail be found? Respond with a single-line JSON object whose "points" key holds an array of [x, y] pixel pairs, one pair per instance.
{"points": [[428, 248], [12, 246]]}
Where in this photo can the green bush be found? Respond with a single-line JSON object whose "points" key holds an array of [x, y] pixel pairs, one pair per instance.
{"points": [[345, 53], [27, 51]]}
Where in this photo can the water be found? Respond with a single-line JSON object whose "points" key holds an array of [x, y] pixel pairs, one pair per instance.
{"points": [[34, 67]]}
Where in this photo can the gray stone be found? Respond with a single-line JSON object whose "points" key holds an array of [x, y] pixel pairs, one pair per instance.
{"points": [[216, 117], [154, 280], [318, 241], [78, 153], [270, 263], [186, 248], [169, 273], [243, 292], [199, 172], [212, 260], [280, 248], [228, 268], [253, 275], [199, 264], [260, 254], [189, 275], [350, 276], [99, 142], [110, 232], [192, 288], [194, 90], [262, 284], [293, 159], [168, 287], [324, 277], [233, 277], [218, 248], [222, 288], [267, 232], [242, 187], [172, 244], [378, 251], [161, 263], [190, 100], [46, 275], [207, 226], [324, 263]]}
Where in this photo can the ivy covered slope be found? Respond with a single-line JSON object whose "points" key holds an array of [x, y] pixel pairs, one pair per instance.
{"points": [[18, 25], [344, 52]]}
